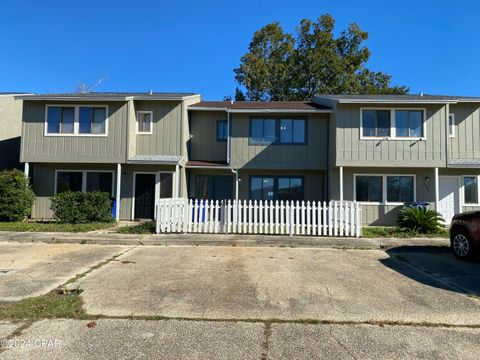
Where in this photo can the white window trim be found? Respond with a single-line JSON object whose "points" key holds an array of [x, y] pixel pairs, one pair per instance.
{"points": [[76, 124], [462, 191], [451, 126], [151, 123], [384, 189], [393, 135], [84, 178]]}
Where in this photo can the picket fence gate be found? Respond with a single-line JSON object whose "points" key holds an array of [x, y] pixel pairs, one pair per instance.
{"points": [[335, 218]]}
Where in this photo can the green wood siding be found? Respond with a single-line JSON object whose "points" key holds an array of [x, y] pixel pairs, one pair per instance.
{"points": [[313, 155], [36, 147], [466, 143], [203, 142], [353, 151]]}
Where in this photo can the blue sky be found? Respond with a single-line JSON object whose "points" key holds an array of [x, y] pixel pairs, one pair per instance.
{"points": [[193, 46]]}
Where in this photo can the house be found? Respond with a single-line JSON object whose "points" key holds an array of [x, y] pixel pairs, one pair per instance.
{"points": [[380, 150], [10, 131]]}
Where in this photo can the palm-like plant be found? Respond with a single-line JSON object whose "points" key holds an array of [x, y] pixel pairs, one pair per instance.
{"points": [[420, 220]]}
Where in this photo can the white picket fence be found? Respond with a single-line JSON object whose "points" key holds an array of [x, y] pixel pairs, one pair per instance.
{"points": [[336, 218]]}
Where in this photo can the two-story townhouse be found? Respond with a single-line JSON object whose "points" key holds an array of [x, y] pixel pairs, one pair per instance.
{"points": [[392, 149], [258, 150], [131, 145], [380, 150]]}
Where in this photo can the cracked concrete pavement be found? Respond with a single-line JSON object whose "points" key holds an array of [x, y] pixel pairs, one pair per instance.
{"points": [[251, 303]]}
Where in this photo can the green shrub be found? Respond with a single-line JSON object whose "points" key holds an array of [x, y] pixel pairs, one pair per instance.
{"points": [[16, 196], [420, 220], [76, 207]]}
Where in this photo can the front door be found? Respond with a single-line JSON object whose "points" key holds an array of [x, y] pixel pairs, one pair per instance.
{"points": [[448, 204], [144, 196]]}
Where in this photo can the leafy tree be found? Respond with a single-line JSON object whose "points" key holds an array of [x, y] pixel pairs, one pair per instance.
{"points": [[281, 66]]}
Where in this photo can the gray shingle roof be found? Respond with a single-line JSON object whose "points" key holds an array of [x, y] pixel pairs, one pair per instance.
{"points": [[155, 159], [259, 106], [465, 163], [109, 96], [399, 98]]}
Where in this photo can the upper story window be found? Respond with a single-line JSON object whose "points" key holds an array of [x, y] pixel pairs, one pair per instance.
{"points": [[409, 123], [144, 122], [76, 120], [402, 124], [222, 130], [376, 123], [451, 125], [277, 131]]}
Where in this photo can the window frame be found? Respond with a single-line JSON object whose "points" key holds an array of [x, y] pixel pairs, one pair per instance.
{"points": [[278, 120], [462, 195], [393, 128], [76, 120], [384, 189], [451, 125], [275, 185], [84, 178], [137, 123], [227, 130]]}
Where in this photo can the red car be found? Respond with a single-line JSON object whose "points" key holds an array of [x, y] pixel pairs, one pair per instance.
{"points": [[465, 234]]}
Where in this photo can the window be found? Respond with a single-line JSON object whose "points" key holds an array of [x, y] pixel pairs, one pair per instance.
{"points": [[85, 181], [369, 188], [222, 130], [470, 189], [100, 181], [76, 120], [144, 122], [60, 120], [276, 188], [400, 189], [69, 181], [292, 131], [262, 131], [92, 120], [376, 123], [277, 131], [451, 125], [409, 123]]}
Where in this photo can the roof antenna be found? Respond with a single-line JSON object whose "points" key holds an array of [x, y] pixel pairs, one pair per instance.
{"points": [[231, 101], [151, 92]]}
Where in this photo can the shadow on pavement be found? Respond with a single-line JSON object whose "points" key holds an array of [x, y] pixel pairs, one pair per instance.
{"points": [[435, 266]]}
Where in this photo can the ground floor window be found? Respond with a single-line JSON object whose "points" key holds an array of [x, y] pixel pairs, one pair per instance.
{"points": [[276, 188], [73, 180], [398, 188], [470, 189], [213, 187]]}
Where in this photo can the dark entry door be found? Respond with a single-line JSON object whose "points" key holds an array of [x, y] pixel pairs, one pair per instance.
{"points": [[144, 196]]}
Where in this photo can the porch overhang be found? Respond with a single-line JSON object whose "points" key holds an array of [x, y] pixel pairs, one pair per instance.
{"points": [[194, 164], [156, 159], [464, 164]]}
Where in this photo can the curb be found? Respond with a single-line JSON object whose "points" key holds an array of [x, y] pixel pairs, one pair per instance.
{"points": [[220, 240]]}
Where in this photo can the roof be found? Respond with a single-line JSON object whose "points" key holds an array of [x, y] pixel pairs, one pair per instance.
{"points": [[111, 96], [155, 159], [209, 164], [409, 98], [260, 106], [464, 163]]}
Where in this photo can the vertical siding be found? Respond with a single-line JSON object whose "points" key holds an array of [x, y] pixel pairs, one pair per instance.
{"points": [[466, 143], [39, 148], [313, 155], [351, 150], [166, 134], [203, 142]]}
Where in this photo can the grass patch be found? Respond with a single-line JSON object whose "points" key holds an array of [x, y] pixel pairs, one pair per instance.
{"points": [[56, 304], [51, 226], [396, 232], [144, 228]]}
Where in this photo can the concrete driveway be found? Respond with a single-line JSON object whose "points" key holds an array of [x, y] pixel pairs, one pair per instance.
{"points": [[278, 283], [28, 270]]}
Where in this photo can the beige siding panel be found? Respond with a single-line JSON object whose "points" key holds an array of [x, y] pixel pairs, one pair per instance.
{"points": [[36, 147], [166, 134], [203, 142], [353, 151], [466, 143], [313, 155]]}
